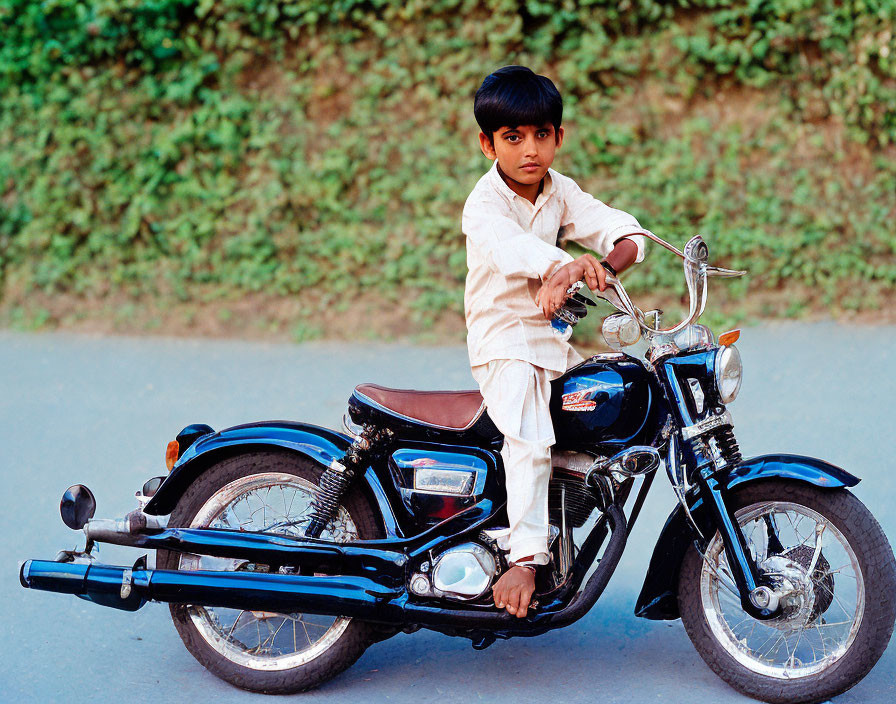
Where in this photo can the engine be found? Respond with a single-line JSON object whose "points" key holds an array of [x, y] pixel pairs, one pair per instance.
{"points": [[463, 572], [467, 571]]}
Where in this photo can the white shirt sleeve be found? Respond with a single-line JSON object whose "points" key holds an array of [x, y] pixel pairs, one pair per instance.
{"points": [[594, 224], [508, 249]]}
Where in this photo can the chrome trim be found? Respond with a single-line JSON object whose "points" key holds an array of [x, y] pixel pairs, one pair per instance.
{"points": [[420, 585], [608, 357], [769, 648], [604, 487], [211, 623], [715, 454], [404, 459], [707, 424], [765, 598], [620, 330], [677, 472], [616, 465], [566, 541], [351, 428], [123, 531], [661, 350], [456, 482], [471, 585], [697, 395], [729, 356], [696, 272], [477, 563], [396, 414], [126, 580]]}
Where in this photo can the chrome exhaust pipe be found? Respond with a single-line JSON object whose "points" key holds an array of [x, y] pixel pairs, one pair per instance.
{"points": [[129, 588], [102, 584]]}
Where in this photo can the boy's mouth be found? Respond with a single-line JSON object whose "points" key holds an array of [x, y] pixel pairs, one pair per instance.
{"points": [[530, 167]]}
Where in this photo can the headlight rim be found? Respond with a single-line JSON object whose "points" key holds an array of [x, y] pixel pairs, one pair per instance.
{"points": [[721, 365]]}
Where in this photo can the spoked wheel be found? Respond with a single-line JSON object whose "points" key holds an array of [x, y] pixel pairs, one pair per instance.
{"points": [[832, 569], [261, 650]]}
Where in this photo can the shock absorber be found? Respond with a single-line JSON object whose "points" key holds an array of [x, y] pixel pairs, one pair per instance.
{"points": [[337, 478], [727, 444]]}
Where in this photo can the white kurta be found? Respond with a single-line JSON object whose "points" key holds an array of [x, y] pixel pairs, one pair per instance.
{"points": [[514, 353], [512, 248]]}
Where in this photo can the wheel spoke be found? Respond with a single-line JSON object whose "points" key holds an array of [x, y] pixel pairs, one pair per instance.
{"points": [[796, 561], [304, 628], [275, 503]]}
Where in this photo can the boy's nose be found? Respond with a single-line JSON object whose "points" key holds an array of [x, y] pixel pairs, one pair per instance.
{"points": [[530, 147]]}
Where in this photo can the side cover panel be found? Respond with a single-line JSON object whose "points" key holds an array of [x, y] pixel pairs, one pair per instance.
{"points": [[658, 600], [322, 445]]}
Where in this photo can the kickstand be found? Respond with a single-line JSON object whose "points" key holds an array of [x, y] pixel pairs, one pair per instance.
{"points": [[483, 641]]}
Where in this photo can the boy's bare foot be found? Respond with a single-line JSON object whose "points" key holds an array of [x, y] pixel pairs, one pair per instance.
{"points": [[513, 591]]}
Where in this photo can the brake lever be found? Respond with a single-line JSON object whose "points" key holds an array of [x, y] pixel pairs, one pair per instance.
{"points": [[726, 273]]}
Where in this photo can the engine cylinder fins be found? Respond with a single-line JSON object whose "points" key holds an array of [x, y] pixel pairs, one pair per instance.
{"points": [[580, 501]]}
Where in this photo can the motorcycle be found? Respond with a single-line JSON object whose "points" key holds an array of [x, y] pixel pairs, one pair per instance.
{"points": [[285, 549]]}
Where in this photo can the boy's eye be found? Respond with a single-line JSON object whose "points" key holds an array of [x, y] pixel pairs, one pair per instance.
{"points": [[512, 138], [541, 134]]}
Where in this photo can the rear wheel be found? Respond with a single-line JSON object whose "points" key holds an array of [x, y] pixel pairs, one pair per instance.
{"points": [[833, 569], [259, 650]]}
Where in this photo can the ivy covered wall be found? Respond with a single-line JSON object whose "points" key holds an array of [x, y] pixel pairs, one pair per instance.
{"points": [[166, 152]]}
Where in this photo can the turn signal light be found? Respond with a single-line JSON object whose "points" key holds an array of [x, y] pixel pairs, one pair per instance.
{"points": [[171, 454], [729, 338]]}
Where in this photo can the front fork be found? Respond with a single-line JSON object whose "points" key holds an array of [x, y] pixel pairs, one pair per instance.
{"points": [[756, 598]]}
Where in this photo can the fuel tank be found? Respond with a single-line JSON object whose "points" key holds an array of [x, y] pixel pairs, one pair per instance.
{"points": [[606, 403]]}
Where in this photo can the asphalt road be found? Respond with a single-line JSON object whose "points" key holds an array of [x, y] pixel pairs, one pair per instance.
{"points": [[100, 411]]}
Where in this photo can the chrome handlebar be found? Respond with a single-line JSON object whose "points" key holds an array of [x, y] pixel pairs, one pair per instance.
{"points": [[696, 271]]}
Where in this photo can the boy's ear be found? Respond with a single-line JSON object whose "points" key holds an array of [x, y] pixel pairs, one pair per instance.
{"points": [[558, 136], [487, 145]]}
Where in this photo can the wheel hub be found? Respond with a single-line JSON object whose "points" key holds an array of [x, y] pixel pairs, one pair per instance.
{"points": [[793, 588]]}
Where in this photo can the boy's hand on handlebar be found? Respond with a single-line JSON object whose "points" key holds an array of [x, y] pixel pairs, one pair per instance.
{"points": [[552, 294]]}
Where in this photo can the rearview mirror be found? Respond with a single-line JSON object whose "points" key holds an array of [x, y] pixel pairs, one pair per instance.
{"points": [[78, 506]]}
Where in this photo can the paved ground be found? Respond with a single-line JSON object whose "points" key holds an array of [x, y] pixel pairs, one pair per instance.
{"points": [[100, 411]]}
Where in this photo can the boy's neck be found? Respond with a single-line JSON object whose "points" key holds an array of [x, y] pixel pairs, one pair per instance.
{"points": [[529, 191]]}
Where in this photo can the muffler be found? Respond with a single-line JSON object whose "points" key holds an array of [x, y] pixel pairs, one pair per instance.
{"points": [[364, 597], [129, 588]]}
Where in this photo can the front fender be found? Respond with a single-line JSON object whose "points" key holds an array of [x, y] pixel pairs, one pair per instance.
{"points": [[321, 445], [659, 596]]}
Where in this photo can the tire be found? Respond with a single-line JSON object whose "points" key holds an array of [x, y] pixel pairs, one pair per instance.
{"points": [[819, 604], [238, 483]]}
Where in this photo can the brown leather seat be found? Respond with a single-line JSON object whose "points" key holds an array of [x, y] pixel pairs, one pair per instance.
{"points": [[454, 410]]}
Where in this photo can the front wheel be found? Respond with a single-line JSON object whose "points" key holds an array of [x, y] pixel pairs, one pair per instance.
{"points": [[259, 650], [828, 560]]}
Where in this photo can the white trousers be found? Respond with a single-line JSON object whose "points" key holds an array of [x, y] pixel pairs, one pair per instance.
{"points": [[517, 395]]}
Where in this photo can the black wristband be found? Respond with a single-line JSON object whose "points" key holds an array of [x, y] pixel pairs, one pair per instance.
{"points": [[609, 267]]}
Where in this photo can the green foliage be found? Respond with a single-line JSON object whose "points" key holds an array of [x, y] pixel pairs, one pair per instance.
{"points": [[294, 147]]}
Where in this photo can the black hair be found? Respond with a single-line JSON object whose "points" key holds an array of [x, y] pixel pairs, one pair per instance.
{"points": [[513, 96]]}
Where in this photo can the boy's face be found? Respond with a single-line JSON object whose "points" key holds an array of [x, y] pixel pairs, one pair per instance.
{"points": [[525, 152]]}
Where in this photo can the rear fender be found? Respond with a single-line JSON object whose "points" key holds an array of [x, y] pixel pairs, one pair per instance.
{"points": [[659, 596], [321, 445]]}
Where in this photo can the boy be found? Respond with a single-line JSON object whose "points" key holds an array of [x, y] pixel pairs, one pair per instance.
{"points": [[517, 278]]}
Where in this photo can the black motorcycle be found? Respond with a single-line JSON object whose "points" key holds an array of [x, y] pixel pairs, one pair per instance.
{"points": [[286, 549]]}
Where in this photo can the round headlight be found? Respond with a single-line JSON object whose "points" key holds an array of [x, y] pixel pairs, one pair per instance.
{"points": [[729, 373]]}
